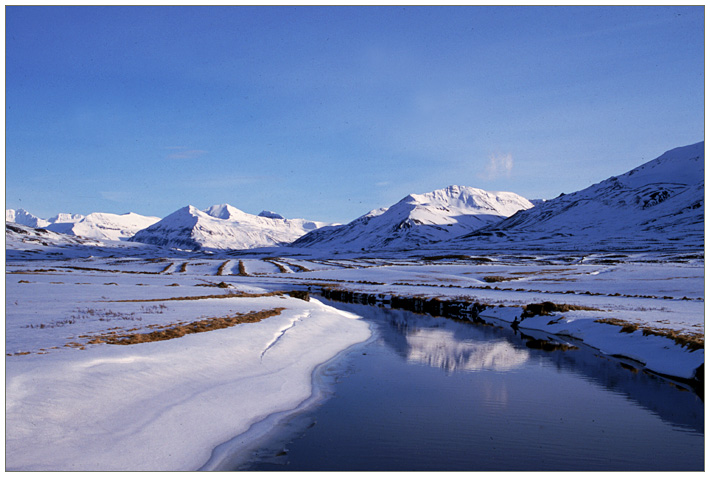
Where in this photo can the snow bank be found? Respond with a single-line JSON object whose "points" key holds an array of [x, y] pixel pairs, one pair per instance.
{"points": [[656, 353], [165, 405]]}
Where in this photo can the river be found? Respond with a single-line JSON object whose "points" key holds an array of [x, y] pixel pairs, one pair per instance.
{"points": [[431, 393]]}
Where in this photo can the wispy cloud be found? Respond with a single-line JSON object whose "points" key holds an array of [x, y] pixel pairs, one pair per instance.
{"points": [[181, 152], [499, 165], [117, 195]]}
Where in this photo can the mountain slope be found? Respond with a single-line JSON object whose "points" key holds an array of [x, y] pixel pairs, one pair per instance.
{"points": [[420, 219], [660, 202], [222, 227], [22, 217], [19, 236], [102, 226], [97, 226]]}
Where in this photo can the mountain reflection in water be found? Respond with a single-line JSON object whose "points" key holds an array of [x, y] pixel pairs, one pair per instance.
{"points": [[431, 393], [456, 346], [448, 344], [439, 348]]}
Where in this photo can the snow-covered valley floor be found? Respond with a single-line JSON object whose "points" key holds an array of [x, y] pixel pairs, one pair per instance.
{"points": [[76, 402]]}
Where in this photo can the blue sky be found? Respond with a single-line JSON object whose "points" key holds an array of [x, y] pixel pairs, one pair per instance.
{"points": [[328, 112]]}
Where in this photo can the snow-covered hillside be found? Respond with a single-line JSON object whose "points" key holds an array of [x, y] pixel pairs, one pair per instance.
{"points": [[222, 227], [660, 203], [103, 226], [420, 219], [24, 237], [22, 217], [97, 225]]}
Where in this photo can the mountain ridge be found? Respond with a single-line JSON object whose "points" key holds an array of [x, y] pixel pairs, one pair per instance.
{"points": [[222, 227], [657, 204], [419, 219], [660, 200]]}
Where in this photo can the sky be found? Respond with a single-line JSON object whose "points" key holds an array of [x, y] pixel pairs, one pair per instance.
{"points": [[326, 113]]}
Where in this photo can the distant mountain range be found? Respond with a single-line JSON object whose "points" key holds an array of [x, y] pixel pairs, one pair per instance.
{"points": [[223, 227], [97, 225], [658, 204]]}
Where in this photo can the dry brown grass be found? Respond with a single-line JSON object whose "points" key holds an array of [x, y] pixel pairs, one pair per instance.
{"points": [[497, 278], [299, 268], [231, 294], [434, 258], [220, 270], [542, 271], [242, 269], [688, 339], [178, 330], [626, 326], [547, 308], [166, 268], [281, 268]]}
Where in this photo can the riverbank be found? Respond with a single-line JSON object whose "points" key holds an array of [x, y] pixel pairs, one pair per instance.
{"points": [[436, 394], [74, 404], [80, 397], [660, 351]]}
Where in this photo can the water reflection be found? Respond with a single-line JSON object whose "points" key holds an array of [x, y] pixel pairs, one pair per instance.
{"points": [[429, 393], [439, 348], [456, 346], [447, 344]]}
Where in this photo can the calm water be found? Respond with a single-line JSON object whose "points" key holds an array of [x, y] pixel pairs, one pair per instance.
{"points": [[430, 393]]}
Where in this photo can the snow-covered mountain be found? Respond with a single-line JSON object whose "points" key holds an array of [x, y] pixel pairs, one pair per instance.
{"points": [[22, 217], [19, 237], [223, 227], [658, 203], [61, 218], [101, 226], [420, 219], [98, 225]]}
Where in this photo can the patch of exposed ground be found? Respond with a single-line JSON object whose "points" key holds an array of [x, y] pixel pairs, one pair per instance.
{"points": [[242, 269], [178, 330], [497, 278], [299, 268], [220, 270], [691, 340], [547, 308], [232, 294], [104, 270], [281, 268]]}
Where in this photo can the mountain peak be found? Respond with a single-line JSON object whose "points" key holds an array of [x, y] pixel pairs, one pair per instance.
{"points": [[420, 219], [225, 211], [222, 227], [270, 215], [659, 202]]}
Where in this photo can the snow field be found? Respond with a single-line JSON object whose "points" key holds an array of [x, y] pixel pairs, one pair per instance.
{"points": [[152, 406], [658, 295], [166, 405]]}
